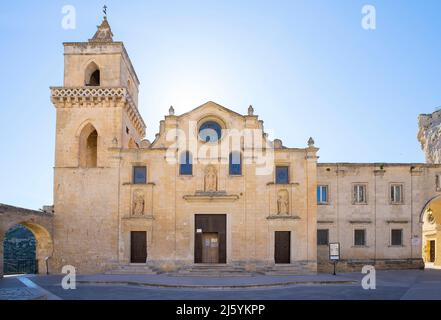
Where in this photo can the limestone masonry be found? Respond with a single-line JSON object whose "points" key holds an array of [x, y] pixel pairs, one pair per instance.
{"points": [[213, 189]]}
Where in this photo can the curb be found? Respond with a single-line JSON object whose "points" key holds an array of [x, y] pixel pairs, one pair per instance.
{"points": [[245, 286]]}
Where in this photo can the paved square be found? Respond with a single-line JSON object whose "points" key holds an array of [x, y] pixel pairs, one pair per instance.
{"points": [[391, 285]]}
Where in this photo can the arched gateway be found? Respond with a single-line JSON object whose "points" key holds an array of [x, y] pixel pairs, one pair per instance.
{"points": [[431, 233], [38, 222]]}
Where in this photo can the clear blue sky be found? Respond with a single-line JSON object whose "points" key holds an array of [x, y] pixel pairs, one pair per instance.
{"points": [[307, 66]]}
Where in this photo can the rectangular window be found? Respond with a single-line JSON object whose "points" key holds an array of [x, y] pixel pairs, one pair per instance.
{"points": [[396, 193], [322, 237], [139, 175], [322, 194], [235, 164], [359, 196], [359, 237], [282, 175], [397, 237]]}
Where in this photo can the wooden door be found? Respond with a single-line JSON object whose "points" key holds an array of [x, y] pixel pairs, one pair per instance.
{"points": [[210, 223], [282, 250], [432, 251], [210, 248], [138, 247]]}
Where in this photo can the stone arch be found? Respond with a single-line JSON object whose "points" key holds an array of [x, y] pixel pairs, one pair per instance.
{"points": [[38, 222], [427, 206], [88, 147], [430, 219], [44, 247], [92, 75]]}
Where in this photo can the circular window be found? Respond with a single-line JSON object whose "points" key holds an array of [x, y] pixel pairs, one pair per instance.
{"points": [[210, 131]]}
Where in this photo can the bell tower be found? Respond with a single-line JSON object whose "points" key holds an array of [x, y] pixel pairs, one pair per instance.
{"points": [[100, 89], [96, 119]]}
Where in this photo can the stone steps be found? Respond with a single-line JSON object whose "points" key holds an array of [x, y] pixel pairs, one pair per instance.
{"points": [[213, 270], [133, 269], [281, 270]]}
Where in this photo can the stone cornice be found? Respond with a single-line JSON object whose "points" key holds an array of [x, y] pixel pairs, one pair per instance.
{"points": [[278, 217], [132, 217], [325, 221], [70, 97], [360, 221], [397, 221], [212, 196]]}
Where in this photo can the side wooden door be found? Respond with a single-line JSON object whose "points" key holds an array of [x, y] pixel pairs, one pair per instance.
{"points": [[282, 250], [138, 247]]}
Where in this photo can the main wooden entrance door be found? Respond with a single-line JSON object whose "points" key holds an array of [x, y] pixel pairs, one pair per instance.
{"points": [[210, 248], [210, 241], [282, 250], [432, 251], [138, 247]]}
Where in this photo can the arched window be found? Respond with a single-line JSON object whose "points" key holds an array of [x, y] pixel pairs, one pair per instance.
{"points": [[92, 76], [88, 147], [186, 164], [235, 164], [210, 131]]}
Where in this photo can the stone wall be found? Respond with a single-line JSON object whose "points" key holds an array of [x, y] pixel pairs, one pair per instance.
{"points": [[378, 216]]}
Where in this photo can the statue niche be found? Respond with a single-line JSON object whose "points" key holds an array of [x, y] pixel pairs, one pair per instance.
{"points": [[283, 202], [138, 204], [210, 180]]}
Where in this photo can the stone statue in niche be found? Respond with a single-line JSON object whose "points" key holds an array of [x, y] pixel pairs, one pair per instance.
{"points": [[283, 203], [138, 204], [210, 183]]}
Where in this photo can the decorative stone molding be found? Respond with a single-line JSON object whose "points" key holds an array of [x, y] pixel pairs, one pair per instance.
{"points": [[325, 221], [76, 92], [69, 97], [380, 172], [218, 196], [275, 217], [360, 221], [296, 184], [149, 217], [416, 171], [397, 221]]}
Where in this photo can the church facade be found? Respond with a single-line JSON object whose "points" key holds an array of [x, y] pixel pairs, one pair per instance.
{"points": [[212, 189]]}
